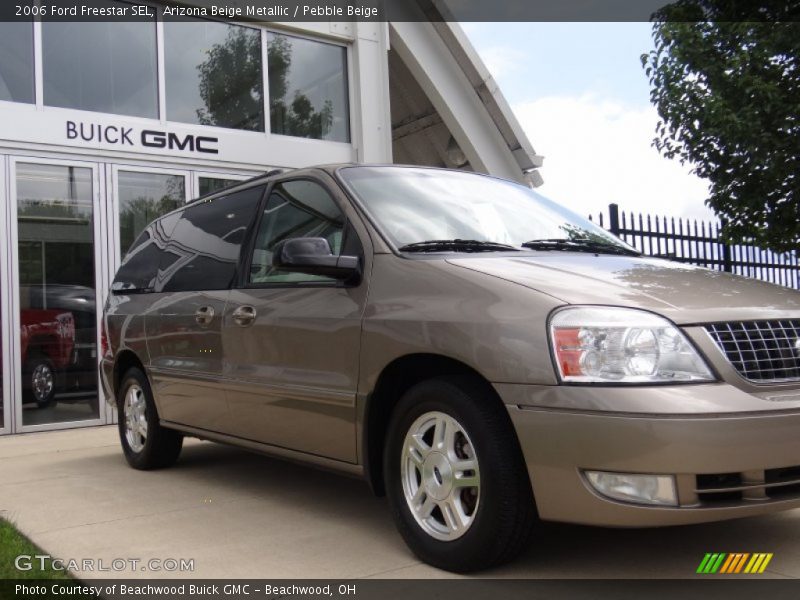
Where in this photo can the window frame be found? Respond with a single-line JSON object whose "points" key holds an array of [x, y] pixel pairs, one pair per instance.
{"points": [[12, 306], [246, 258]]}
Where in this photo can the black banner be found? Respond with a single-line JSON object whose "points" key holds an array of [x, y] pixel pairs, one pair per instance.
{"points": [[400, 10], [399, 589]]}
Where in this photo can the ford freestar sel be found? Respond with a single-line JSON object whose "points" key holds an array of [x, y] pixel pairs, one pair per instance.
{"points": [[480, 355]]}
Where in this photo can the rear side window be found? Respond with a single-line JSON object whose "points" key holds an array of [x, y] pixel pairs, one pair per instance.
{"points": [[137, 273], [203, 251]]}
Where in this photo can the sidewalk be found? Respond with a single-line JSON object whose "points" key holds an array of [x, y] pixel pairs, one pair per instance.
{"points": [[238, 514]]}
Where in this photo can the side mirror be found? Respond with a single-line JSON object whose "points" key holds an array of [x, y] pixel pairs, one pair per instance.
{"points": [[313, 256]]}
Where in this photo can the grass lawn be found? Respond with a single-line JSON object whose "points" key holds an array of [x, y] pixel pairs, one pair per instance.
{"points": [[12, 544]]}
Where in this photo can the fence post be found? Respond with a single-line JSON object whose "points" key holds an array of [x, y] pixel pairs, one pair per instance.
{"points": [[613, 219], [727, 263]]}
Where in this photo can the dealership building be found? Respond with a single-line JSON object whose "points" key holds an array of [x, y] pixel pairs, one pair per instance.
{"points": [[106, 125]]}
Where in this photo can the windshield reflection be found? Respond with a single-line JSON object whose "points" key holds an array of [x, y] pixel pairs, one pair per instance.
{"points": [[413, 205]]}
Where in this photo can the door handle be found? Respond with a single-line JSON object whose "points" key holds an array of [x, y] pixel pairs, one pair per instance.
{"points": [[244, 315], [204, 315]]}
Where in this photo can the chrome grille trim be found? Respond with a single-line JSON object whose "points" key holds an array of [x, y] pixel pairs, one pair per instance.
{"points": [[760, 351]]}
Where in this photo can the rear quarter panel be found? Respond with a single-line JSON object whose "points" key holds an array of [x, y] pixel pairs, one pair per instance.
{"points": [[125, 325]]}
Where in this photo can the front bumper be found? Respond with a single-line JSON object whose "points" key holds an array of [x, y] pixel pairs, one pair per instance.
{"points": [[726, 464]]}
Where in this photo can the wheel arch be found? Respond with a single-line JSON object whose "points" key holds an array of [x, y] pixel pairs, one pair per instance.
{"points": [[395, 379], [125, 360]]}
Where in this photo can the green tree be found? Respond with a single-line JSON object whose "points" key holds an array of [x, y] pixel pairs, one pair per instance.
{"points": [[230, 82], [725, 79], [137, 213], [296, 116], [231, 88]]}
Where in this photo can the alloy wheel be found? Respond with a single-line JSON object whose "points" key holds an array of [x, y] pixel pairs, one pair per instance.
{"points": [[135, 408], [440, 476], [42, 382]]}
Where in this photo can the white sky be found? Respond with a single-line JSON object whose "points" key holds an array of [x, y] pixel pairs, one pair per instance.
{"points": [[582, 97]]}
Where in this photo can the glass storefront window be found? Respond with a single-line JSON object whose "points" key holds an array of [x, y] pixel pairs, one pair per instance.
{"points": [[214, 74], [58, 336], [207, 185], [16, 62], [144, 197], [108, 67], [307, 88]]}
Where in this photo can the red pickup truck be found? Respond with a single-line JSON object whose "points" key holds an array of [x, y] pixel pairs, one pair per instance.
{"points": [[47, 341]]}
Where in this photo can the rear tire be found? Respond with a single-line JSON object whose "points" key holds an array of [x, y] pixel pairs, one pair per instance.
{"points": [[40, 381], [146, 444], [453, 455]]}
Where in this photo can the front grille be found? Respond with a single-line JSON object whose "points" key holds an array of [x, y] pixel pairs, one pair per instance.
{"points": [[760, 351], [732, 488]]}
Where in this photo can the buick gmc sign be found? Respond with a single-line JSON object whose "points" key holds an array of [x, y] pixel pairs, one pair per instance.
{"points": [[148, 138]]}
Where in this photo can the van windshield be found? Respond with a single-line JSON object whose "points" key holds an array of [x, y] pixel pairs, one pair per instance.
{"points": [[430, 210]]}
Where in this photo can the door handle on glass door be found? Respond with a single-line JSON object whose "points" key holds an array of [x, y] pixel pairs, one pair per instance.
{"points": [[244, 315], [204, 315]]}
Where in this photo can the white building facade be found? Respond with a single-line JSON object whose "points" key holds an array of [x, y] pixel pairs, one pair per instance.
{"points": [[106, 125]]}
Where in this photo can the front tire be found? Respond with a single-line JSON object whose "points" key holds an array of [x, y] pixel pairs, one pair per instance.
{"points": [[455, 477], [145, 443]]}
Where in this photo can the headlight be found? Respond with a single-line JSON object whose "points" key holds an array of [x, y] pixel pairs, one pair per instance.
{"points": [[595, 344]]}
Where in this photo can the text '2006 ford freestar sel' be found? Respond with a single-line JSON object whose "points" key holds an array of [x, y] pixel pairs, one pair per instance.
{"points": [[480, 355]]}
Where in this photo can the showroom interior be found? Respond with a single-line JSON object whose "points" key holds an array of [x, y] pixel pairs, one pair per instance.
{"points": [[107, 125]]}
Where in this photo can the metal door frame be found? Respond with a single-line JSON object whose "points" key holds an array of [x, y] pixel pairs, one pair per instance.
{"points": [[101, 277], [5, 295]]}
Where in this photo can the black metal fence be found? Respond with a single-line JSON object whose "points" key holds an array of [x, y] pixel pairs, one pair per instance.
{"points": [[699, 243]]}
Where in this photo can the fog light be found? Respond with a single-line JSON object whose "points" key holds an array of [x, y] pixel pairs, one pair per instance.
{"points": [[631, 487]]}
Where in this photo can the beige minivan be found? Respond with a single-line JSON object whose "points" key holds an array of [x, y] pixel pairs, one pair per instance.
{"points": [[476, 352]]}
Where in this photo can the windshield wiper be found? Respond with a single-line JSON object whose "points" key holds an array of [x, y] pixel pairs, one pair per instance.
{"points": [[457, 245], [579, 245]]}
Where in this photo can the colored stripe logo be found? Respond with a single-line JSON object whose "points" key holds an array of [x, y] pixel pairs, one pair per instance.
{"points": [[734, 563]]}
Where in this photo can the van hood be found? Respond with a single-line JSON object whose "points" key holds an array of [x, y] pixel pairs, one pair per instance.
{"points": [[683, 293]]}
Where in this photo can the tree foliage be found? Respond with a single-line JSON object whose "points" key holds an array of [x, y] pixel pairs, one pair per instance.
{"points": [[725, 79], [232, 91], [296, 116], [231, 85]]}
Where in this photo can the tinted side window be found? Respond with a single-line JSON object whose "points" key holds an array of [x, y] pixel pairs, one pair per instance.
{"points": [[295, 209], [138, 269], [204, 249]]}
